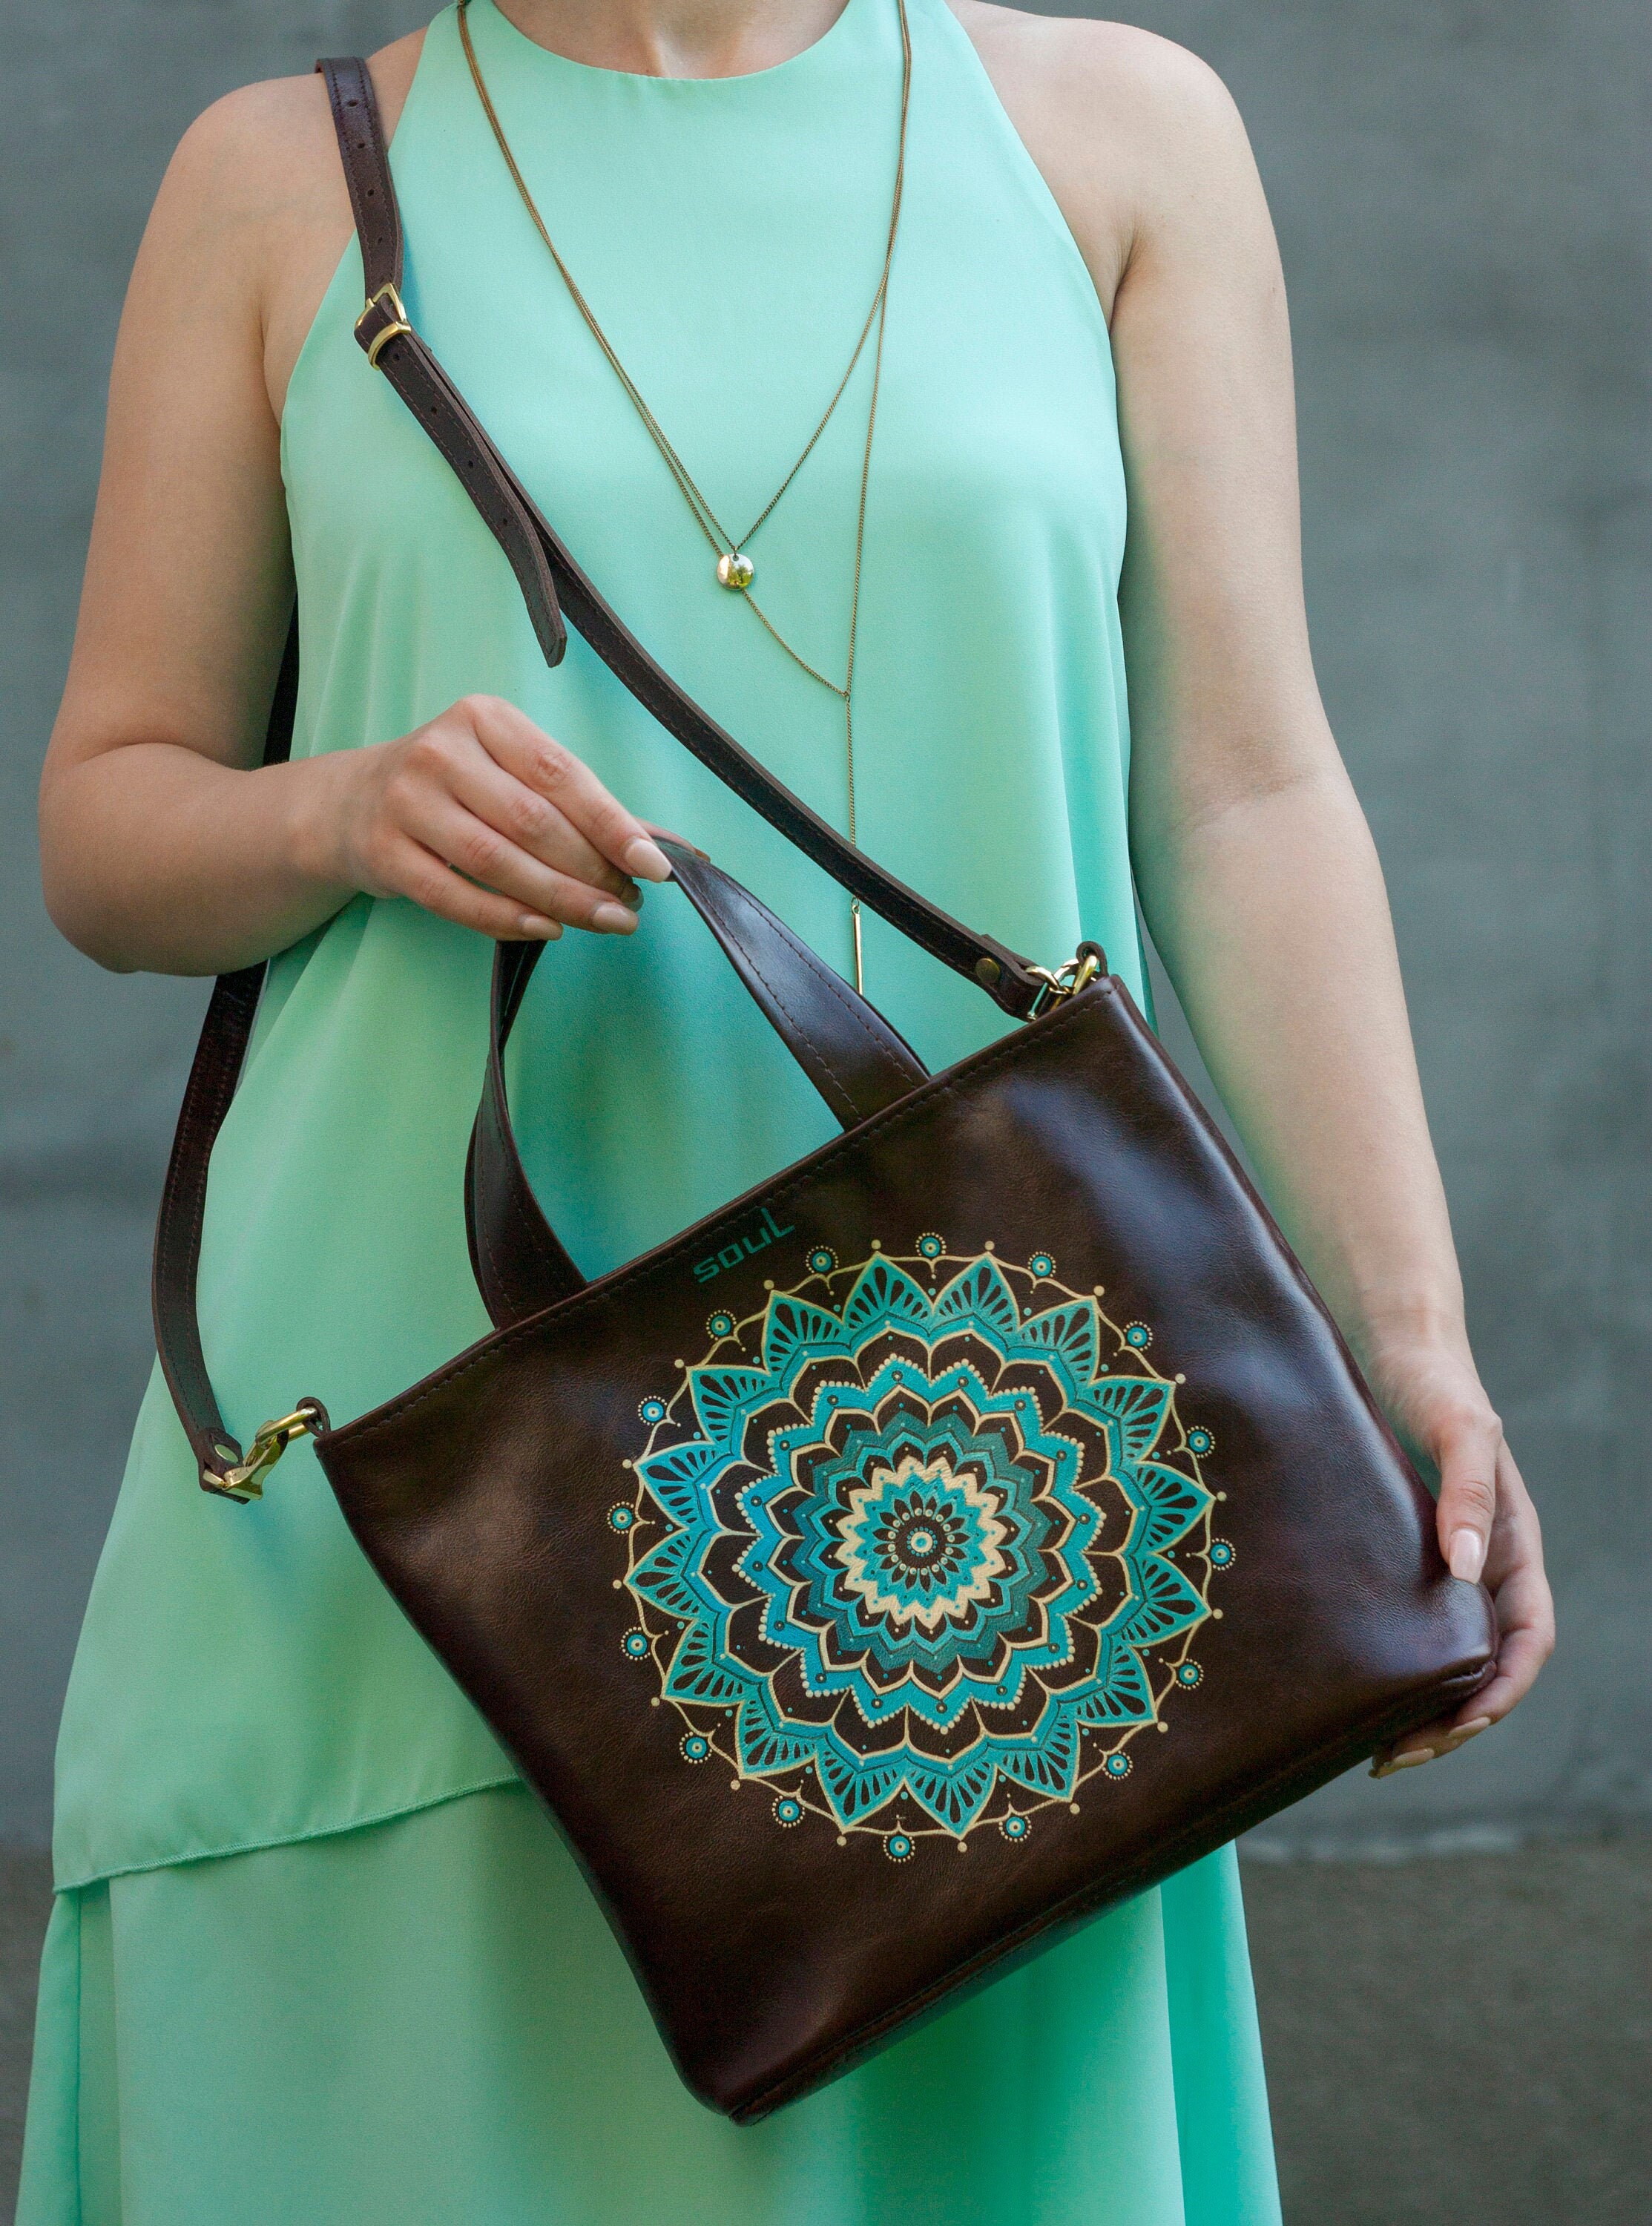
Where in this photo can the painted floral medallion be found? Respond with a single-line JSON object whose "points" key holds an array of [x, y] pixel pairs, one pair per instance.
{"points": [[921, 1545]]}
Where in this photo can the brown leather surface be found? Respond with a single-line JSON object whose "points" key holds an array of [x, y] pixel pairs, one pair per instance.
{"points": [[774, 1959]]}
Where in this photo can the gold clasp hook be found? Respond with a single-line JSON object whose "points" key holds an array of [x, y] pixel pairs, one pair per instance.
{"points": [[1063, 981], [386, 298], [246, 1480]]}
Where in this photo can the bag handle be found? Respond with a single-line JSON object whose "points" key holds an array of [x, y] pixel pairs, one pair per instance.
{"points": [[846, 1047]]}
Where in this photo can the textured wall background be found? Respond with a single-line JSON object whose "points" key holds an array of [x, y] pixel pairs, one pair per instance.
{"points": [[1461, 191]]}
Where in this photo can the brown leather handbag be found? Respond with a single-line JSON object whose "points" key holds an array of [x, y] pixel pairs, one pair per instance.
{"points": [[964, 1529]]}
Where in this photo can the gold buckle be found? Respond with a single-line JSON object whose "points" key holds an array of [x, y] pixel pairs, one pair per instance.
{"points": [[245, 1481], [386, 294], [1065, 981]]}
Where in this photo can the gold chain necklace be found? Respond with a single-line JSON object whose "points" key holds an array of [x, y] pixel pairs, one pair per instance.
{"points": [[736, 570]]}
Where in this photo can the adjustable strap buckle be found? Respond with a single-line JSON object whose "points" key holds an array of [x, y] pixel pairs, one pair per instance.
{"points": [[1060, 983], [246, 1480], [380, 321]]}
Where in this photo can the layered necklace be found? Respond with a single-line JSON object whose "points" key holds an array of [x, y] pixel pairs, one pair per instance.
{"points": [[735, 571]]}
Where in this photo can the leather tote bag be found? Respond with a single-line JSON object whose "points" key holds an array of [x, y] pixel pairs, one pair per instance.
{"points": [[962, 1530]]}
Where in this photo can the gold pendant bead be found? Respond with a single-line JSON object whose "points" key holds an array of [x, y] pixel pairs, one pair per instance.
{"points": [[736, 570]]}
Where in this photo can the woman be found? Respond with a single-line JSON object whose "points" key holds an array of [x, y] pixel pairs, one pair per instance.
{"points": [[315, 1954]]}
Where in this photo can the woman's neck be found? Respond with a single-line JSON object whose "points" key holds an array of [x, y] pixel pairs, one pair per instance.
{"points": [[674, 38]]}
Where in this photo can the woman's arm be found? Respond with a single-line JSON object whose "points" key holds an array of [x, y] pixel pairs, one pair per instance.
{"points": [[164, 846], [1256, 871]]}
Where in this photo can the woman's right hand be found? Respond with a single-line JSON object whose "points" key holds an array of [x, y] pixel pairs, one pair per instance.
{"points": [[482, 818], [165, 846]]}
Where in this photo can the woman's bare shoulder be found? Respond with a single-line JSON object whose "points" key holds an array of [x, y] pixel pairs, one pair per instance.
{"points": [[266, 150], [254, 198], [1115, 72], [1122, 124]]}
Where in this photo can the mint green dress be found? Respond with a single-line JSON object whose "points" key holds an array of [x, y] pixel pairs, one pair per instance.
{"points": [[316, 1955]]}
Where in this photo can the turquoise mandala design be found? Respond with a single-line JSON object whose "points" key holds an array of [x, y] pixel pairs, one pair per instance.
{"points": [[922, 1554]]}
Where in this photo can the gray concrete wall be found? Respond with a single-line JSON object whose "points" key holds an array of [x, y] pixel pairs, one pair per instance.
{"points": [[1461, 190]]}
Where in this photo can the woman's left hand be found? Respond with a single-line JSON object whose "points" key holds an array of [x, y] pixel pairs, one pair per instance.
{"points": [[1488, 1529]]}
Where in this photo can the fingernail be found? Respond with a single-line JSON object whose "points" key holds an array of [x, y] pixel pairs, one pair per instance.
{"points": [[534, 925], [1473, 1729], [1468, 1556], [613, 919], [647, 859], [1410, 1760]]}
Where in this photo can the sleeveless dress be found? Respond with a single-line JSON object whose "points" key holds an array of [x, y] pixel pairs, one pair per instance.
{"points": [[315, 1954]]}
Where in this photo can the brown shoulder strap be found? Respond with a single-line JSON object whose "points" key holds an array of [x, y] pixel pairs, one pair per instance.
{"points": [[225, 1035], [387, 335], [366, 169], [480, 469]]}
